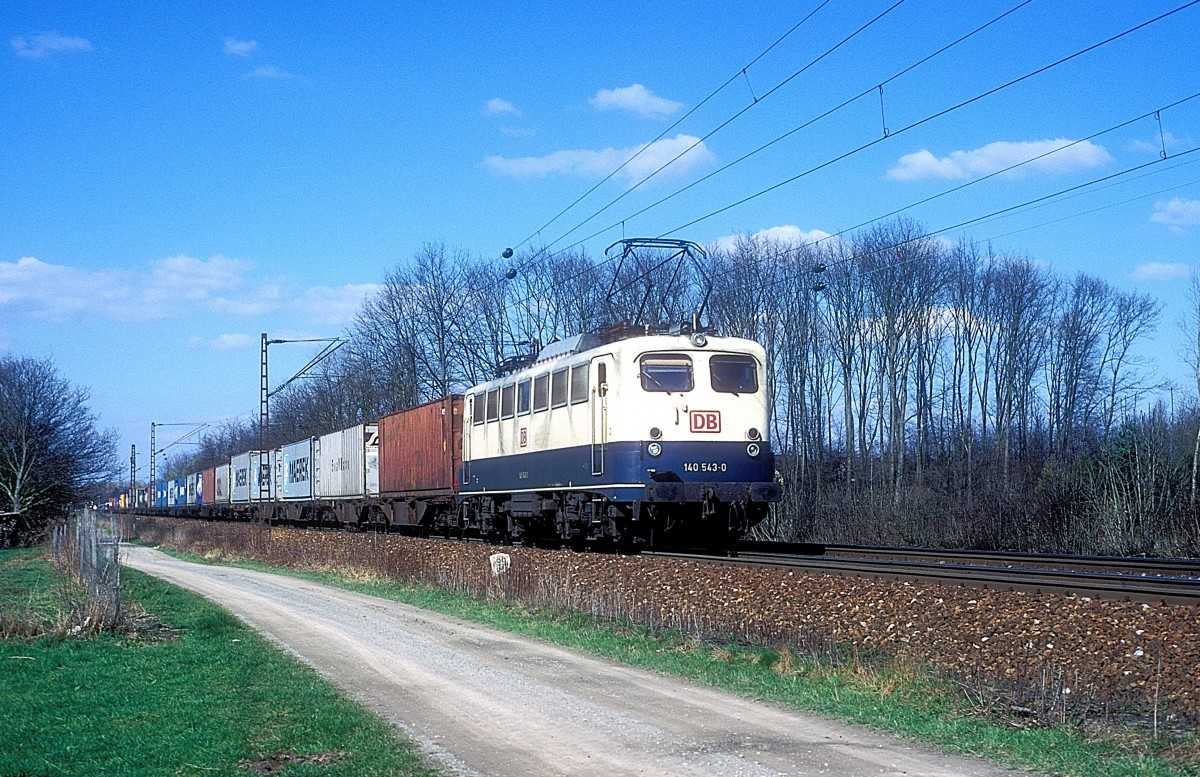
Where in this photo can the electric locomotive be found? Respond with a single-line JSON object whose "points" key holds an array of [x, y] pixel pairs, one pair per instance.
{"points": [[636, 436]]}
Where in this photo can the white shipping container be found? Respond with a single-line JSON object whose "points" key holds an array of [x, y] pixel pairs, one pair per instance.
{"points": [[295, 470], [348, 463], [193, 489], [222, 485], [262, 488], [239, 476]]}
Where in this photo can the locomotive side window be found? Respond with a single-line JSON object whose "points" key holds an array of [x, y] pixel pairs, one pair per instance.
{"points": [[558, 388], [734, 374], [476, 409], [524, 390], [666, 372], [507, 397], [541, 393], [579, 383], [493, 404]]}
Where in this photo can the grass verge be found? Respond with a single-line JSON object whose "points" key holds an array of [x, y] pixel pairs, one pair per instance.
{"points": [[199, 694], [898, 700], [30, 603]]}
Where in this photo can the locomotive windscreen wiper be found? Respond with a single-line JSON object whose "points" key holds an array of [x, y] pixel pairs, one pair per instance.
{"points": [[644, 375], [730, 388]]}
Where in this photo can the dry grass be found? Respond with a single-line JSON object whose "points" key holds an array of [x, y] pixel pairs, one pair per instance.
{"points": [[785, 665]]}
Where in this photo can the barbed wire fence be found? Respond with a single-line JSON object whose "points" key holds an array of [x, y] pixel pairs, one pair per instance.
{"points": [[87, 549]]}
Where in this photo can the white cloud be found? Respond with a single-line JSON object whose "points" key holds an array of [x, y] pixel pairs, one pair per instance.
{"points": [[228, 342], [1160, 271], [269, 73], [175, 287], [791, 235], [48, 43], [1167, 140], [693, 155], [35, 289], [499, 107], [336, 305], [636, 99], [240, 48], [195, 279], [1177, 212], [787, 235], [1060, 157]]}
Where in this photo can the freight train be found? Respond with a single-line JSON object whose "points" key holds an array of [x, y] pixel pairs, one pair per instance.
{"points": [[636, 436]]}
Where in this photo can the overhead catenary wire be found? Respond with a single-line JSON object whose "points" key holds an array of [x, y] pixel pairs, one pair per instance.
{"points": [[795, 74], [925, 235], [1101, 207], [932, 117], [677, 122], [824, 114], [1010, 168]]}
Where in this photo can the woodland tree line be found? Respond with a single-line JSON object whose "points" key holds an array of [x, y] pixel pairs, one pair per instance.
{"points": [[925, 393]]}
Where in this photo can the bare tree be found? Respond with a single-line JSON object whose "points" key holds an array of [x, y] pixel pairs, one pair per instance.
{"points": [[1017, 324], [51, 453], [1191, 329]]}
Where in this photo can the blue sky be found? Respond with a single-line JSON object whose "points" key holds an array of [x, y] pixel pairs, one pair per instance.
{"points": [[178, 179]]}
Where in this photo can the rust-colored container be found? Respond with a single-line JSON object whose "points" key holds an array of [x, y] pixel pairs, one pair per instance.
{"points": [[208, 486], [420, 449]]}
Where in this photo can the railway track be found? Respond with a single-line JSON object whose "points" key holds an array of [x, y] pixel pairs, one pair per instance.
{"points": [[1165, 581]]}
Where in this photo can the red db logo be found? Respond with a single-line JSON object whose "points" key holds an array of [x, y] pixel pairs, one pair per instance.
{"points": [[706, 421]]}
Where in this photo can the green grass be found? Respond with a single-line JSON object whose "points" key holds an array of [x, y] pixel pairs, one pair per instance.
{"points": [[897, 700], [202, 694], [29, 591]]}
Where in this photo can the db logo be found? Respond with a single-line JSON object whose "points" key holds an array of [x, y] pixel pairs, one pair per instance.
{"points": [[524, 438], [706, 421]]}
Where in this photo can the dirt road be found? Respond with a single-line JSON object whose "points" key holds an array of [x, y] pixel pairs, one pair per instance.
{"points": [[487, 703]]}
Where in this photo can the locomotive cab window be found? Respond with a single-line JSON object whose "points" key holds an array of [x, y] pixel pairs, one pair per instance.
{"points": [[507, 396], [666, 372], [541, 393], [493, 404], [476, 409], [579, 383], [524, 390], [558, 388], [732, 374]]}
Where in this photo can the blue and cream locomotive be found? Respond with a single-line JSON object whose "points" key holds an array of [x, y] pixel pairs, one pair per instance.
{"points": [[634, 436]]}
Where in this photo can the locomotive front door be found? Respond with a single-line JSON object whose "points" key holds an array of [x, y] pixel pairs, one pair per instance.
{"points": [[468, 424], [599, 403]]}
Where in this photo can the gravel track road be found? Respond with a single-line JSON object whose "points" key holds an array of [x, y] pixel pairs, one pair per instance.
{"points": [[483, 702]]}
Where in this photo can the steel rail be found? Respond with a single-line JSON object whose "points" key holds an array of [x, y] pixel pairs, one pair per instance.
{"points": [[1164, 567], [1101, 585]]}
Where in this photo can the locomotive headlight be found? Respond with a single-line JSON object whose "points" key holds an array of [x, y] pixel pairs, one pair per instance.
{"points": [[752, 450], [654, 449], [754, 434], [655, 433]]}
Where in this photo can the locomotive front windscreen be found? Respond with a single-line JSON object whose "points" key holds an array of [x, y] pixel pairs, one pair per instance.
{"points": [[666, 372], [734, 374]]}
